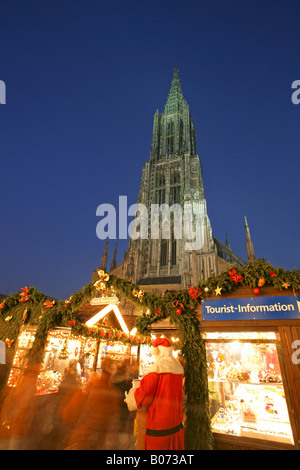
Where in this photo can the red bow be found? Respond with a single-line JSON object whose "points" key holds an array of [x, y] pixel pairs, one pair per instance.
{"points": [[235, 277], [194, 293]]}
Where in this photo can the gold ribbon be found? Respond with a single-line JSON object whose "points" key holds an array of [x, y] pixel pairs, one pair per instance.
{"points": [[103, 278]]}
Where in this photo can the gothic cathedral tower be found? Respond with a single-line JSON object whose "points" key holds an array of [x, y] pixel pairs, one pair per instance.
{"points": [[173, 176]]}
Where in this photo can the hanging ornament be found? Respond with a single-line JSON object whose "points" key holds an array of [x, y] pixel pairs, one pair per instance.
{"points": [[286, 285], [261, 282], [206, 289], [256, 291], [218, 290], [179, 307]]}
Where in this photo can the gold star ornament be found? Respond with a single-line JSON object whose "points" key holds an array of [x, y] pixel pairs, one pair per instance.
{"points": [[218, 290]]}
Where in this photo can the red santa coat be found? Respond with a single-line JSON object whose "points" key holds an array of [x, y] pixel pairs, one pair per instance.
{"points": [[161, 392]]}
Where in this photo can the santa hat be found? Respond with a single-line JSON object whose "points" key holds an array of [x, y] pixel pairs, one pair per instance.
{"points": [[161, 344]]}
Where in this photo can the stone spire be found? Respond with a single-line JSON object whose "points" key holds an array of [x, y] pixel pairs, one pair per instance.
{"points": [[173, 130], [104, 257], [114, 261], [249, 244], [175, 101], [227, 242]]}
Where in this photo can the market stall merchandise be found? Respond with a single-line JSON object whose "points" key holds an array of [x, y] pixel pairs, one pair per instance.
{"points": [[246, 390], [251, 374]]}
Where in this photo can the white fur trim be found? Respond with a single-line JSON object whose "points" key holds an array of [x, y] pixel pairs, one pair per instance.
{"points": [[166, 365], [130, 400]]}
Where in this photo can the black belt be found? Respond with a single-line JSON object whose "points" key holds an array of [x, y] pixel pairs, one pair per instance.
{"points": [[163, 432]]}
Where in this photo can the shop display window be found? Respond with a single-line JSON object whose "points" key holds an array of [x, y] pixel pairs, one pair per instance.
{"points": [[146, 359], [63, 351], [247, 396], [24, 344], [113, 350]]}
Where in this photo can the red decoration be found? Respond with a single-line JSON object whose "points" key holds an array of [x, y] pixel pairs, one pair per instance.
{"points": [[24, 295], [2, 304], [72, 323], [179, 307], [272, 274], [110, 334], [49, 304], [194, 293], [157, 311], [102, 333], [256, 291], [235, 277]]}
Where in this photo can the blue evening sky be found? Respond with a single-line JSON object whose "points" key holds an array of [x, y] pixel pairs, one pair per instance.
{"points": [[83, 81]]}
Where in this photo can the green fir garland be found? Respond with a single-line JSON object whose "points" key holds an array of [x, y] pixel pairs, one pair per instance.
{"points": [[33, 308]]}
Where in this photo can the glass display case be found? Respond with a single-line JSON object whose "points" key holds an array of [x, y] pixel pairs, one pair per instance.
{"points": [[247, 396]]}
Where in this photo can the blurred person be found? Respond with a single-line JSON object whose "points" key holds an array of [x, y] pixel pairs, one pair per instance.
{"points": [[122, 379], [54, 430], [22, 411], [161, 391], [95, 428]]}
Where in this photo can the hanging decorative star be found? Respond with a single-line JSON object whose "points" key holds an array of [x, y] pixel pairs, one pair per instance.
{"points": [[218, 290], [286, 285]]}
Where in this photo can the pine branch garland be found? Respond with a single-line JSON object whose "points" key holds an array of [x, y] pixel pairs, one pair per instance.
{"points": [[62, 313]]}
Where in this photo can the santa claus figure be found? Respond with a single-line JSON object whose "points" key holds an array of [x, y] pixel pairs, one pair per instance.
{"points": [[161, 391]]}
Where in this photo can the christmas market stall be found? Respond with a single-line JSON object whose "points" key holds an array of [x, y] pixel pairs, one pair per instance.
{"points": [[250, 321], [238, 340], [44, 332], [99, 332]]}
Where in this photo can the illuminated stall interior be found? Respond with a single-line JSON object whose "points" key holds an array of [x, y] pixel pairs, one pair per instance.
{"points": [[247, 396], [85, 354]]}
